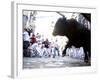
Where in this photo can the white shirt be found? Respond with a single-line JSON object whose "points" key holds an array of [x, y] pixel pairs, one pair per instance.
{"points": [[34, 46], [26, 36]]}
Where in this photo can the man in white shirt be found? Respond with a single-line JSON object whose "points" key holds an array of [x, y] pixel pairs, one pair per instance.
{"points": [[26, 35], [26, 43]]}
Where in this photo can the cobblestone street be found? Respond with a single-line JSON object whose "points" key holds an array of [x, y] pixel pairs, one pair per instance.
{"points": [[58, 62]]}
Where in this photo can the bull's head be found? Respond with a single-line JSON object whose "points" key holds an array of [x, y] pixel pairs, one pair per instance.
{"points": [[64, 27], [60, 27], [67, 27]]}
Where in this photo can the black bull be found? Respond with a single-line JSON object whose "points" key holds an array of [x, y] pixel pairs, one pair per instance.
{"points": [[78, 35]]}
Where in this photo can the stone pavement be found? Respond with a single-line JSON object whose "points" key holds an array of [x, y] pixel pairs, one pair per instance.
{"points": [[58, 62]]}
